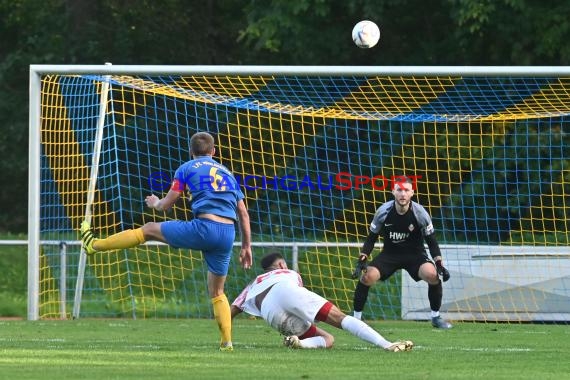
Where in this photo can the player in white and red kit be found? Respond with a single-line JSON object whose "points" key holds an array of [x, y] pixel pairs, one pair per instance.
{"points": [[278, 296]]}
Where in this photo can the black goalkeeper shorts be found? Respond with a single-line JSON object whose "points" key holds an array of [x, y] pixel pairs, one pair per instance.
{"points": [[389, 262]]}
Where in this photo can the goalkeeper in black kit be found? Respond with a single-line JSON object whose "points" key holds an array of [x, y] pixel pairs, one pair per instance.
{"points": [[404, 226]]}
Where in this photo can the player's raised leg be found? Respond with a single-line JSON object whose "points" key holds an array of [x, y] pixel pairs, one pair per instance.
{"points": [[121, 240]]}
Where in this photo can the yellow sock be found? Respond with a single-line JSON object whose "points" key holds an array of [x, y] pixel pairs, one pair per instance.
{"points": [[121, 240], [223, 317]]}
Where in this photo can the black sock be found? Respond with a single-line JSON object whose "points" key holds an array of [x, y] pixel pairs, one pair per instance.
{"points": [[435, 294], [360, 296]]}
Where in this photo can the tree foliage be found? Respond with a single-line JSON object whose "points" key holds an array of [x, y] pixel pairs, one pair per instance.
{"points": [[301, 32]]}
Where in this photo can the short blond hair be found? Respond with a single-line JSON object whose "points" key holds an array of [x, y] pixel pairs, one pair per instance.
{"points": [[201, 144]]}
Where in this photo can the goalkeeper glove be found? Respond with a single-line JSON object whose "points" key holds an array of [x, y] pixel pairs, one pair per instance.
{"points": [[442, 271], [361, 266]]}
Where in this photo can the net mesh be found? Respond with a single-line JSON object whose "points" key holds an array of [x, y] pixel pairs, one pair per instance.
{"points": [[315, 157]]}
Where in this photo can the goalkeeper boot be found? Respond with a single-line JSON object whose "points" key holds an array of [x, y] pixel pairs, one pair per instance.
{"points": [[401, 346], [292, 341], [440, 323], [87, 238], [227, 347]]}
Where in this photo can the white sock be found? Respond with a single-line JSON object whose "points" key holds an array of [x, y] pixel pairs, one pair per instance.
{"points": [[434, 314], [361, 330], [313, 342], [357, 314]]}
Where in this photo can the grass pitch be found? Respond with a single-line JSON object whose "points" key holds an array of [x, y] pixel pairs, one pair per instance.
{"points": [[187, 349]]}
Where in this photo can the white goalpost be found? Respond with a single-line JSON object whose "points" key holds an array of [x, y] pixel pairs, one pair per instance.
{"points": [[91, 192]]}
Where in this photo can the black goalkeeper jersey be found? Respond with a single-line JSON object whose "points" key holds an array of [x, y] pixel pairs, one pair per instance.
{"points": [[402, 233]]}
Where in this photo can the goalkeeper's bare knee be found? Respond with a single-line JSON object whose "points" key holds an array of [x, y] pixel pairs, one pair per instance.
{"points": [[371, 276]]}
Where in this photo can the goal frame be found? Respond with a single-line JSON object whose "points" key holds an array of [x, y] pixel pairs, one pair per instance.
{"points": [[37, 70]]}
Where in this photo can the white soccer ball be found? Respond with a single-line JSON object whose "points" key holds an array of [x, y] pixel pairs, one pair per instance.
{"points": [[365, 34]]}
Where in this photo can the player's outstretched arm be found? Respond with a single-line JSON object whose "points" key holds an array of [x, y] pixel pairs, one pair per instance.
{"points": [[163, 204]]}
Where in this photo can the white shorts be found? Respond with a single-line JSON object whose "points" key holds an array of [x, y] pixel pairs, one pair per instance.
{"points": [[291, 309]]}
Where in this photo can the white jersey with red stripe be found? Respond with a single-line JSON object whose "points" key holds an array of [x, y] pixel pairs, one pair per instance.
{"points": [[246, 299]]}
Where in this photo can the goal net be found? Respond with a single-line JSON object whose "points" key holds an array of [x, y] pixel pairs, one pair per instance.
{"points": [[315, 150]]}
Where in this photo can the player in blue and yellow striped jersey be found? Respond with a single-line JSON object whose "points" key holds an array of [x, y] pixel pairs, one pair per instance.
{"points": [[217, 203]]}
